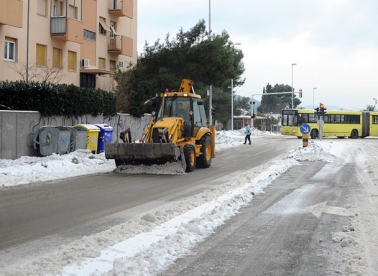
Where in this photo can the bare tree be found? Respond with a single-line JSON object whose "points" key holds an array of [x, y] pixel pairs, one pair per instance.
{"points": [[39, 73]]}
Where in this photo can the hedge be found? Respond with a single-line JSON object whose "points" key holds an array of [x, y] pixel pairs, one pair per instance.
{"points": [[56, 99]]}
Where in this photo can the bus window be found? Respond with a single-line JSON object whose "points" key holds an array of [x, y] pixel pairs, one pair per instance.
{"points": [[352, 119], [335, 119], [300, 118], [288, 120], [312, 118], [293, 120]]}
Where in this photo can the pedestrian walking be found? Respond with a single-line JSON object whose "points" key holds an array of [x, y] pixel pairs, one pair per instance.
{"points": [[247, 134]]}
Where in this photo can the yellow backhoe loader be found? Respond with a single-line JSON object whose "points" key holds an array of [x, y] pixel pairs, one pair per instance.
{"points": [[177, 132]]}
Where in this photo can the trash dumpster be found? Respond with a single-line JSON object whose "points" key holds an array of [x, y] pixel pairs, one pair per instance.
{"points": [[51, 139], [78, 138], [92, 136], [105, 136]]}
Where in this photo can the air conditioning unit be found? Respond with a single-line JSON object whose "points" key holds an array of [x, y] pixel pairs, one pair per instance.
{"points": [[85, 63]]}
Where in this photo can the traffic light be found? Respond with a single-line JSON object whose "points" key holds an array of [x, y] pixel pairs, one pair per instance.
{"points": [[300, 93], [321, 110], [253, 109]]}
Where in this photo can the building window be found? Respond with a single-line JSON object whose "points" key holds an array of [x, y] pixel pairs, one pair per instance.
{"points": [[57, 58], [103, 28], [87, 80], [71, 61], [101, 63], [113, 32], [88, 35], [41, 55], [10, 49], [59, 9], [42, 7], [72, 11], [112, 65]]}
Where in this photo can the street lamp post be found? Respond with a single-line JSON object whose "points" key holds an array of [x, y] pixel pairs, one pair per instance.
{"points": [[211, 87], [292, 85], [232, 98], [232, 104], [313, 97]]}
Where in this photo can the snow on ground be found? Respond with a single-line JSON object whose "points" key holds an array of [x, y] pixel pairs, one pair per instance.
{"points": [[27, 170], [148, 245]]}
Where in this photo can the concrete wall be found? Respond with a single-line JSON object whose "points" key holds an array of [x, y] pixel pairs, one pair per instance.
{"points": [[19, 128]]}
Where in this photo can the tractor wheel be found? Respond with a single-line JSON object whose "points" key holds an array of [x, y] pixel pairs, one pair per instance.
{"points": [[190, 157], [204, 160]]}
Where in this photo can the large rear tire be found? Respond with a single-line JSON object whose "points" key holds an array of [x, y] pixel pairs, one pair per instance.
{"points": [[204, 160], [190, 157]]}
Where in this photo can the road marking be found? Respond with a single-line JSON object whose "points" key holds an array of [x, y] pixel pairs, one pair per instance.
{"points": [[322, 207]]}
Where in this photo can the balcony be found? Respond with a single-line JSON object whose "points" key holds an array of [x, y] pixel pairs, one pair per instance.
{"points": [[66, 29], [11, 13], [120, 45], [121, 8]]}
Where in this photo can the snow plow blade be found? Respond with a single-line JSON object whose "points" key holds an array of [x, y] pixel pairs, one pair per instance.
{"points": [[144, 153]]}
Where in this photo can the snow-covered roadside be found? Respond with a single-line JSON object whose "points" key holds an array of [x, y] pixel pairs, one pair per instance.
{"points": [[28, 170], [366, 222], [150, 244]]}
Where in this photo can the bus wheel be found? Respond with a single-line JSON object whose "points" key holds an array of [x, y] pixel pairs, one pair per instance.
{"points": [[314, 134], [354, 134]]}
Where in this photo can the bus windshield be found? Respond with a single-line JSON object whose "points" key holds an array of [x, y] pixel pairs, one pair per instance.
{"points": [[289, 117]]}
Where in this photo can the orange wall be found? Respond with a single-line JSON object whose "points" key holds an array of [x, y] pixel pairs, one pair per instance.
{"points": [[11, 13], [90, 23]]}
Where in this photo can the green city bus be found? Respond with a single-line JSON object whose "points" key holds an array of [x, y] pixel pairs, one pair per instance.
{"points": [[336, 123]]}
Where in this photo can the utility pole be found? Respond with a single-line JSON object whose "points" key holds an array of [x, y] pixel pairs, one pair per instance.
{"points": [[292, 85], [232, 104], [211, 87]]}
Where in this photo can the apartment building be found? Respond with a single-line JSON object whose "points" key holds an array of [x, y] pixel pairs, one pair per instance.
{"points": [[80, 42]]}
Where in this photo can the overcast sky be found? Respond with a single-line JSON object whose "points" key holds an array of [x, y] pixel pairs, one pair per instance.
{"points": [[333, 42]]}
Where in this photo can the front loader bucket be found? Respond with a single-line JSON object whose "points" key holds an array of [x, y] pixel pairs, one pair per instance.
{"points": [[144, 153]]}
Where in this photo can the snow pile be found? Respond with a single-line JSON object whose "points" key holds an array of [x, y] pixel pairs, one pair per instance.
{"points": [[27, 170]]}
